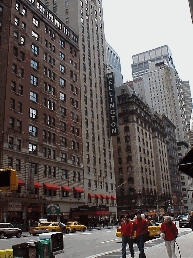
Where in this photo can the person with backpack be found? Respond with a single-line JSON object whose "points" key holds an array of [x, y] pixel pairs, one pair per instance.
{"points": [[171, 232]]}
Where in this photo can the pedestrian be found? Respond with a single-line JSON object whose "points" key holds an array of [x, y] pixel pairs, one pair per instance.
{"points": [[170, 230], [127, 234], [141, 229]]}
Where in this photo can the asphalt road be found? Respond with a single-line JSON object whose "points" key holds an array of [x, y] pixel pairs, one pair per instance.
{"points": [[88, 244]]}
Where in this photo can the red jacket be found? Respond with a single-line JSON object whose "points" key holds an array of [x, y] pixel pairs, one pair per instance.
{"points": [[127, 229], [140, 226], [170, 231]]}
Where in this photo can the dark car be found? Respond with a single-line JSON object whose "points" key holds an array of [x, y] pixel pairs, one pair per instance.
{"points": [[8, 230], [184, 222]]}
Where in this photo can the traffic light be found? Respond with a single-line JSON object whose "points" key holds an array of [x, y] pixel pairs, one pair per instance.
{"points": [[8, 179]]}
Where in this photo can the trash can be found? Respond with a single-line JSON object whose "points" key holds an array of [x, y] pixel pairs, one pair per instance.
{"points": [[44, 248], [25, 250]]}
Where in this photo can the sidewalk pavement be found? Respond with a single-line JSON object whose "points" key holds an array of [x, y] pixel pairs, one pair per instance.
{"points": [[185, 244]]}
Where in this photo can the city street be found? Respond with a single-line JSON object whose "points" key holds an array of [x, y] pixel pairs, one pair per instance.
{"points": [[104, 243]]}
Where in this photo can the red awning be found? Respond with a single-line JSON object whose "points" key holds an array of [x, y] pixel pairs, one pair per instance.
{"points": [[108, 197], [103, 196], [97, 196], [52, 186], [66, 188], [78, 189], [113, 197], [20, 182], [37, 185], [90, 195]]}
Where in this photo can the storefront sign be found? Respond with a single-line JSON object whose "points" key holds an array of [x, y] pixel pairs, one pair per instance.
{"points": [[14, 206], [53, 209], [112, 105]]}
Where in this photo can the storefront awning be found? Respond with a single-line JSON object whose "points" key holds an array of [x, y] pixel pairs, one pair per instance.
{"points": [[51, 186], [78, 189], [103, 196], [37, 185], [20, 182], [97, 196], [108, 197], [113, 197], [90, 195], [66, 188]]}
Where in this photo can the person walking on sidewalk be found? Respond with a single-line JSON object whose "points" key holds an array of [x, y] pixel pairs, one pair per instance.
{"points": [[170, 230], [127, 234], [141, 229]]}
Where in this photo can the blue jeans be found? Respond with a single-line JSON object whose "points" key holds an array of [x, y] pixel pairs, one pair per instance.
{"points": [[140, 244], [125, 241]]}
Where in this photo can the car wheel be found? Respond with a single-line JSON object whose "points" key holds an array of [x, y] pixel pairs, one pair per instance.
{"points": [[34, 234], [2, 235], [67, 231], [18, 234], [74, 230]]}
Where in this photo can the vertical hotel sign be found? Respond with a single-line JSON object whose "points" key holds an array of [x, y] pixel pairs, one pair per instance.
{"points": [[112, 105]]}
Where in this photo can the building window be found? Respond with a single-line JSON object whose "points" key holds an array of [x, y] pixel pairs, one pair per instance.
{"points": [[18, 165], [62, 82], [34, 80], [64, 173], [33, 148], [62, 68], [10, 143], [23, 26], [35, 49], [14, 68], [62, 56], [64, 157], [35, 22], [34, 64], [22, 38], [63, 96], [15, 51], [19, 125], [16, 21], [10, 162], [35, 35], [33, 130], [18, 145], [13, 86], [63, 111], [11, 122], [12, 104], [20, 90], [33, 96], [21, 72], [62, 43], [33, 113]]}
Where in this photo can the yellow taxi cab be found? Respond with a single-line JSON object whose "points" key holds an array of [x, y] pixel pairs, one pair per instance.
{"points": [[47, 226], [153, 229], [74, 226]]}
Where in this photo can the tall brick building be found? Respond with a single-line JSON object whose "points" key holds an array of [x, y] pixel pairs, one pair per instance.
{"points": [[140, 155], [40, 117]]}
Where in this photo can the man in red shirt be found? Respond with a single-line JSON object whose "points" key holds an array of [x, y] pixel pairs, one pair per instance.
{"points": [[127, 233], [141, 229], [171, 232]]}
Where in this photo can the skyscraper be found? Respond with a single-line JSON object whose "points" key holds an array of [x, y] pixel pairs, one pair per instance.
{"points": [[86, 19]]}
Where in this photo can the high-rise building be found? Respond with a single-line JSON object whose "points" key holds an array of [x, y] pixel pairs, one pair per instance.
{"points": [[140, 155], [40, 112], [86, 19], [191, 8], [157, 82], [114, 65], [162, 88]]}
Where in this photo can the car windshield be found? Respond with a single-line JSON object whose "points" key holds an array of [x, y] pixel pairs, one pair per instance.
{"points": [[69, 223], [45, 224]]}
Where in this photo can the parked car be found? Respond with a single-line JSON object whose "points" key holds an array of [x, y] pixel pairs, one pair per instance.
{"points": [[74, 226], [8, 230], [184, 222], [153, 229], [46, 226]]}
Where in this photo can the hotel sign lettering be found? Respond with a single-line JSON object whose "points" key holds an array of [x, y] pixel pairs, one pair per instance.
{"points": [[112, 105]]}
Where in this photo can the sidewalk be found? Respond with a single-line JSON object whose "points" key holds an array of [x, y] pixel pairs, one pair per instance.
{"points": [[185, 244]]}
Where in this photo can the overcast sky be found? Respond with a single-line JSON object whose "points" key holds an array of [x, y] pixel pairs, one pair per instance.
{"points": [[135, 26]]}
